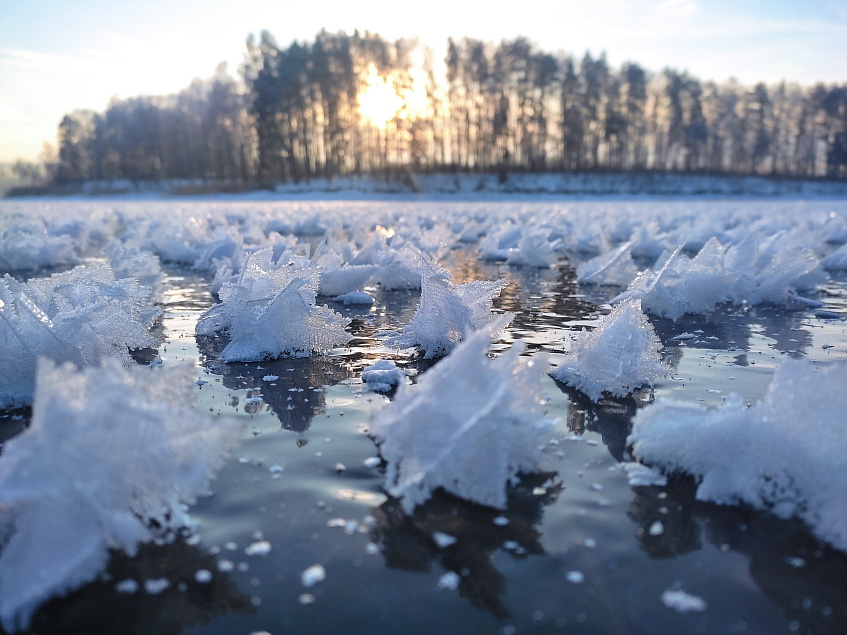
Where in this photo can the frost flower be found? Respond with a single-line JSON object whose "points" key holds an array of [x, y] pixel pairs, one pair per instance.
{"points": [[469, 426], [788, 452], [271, 312], [621, 354], [110, 454], [447, 311]]}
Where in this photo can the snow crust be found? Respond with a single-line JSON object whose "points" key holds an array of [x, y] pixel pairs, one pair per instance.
{"points": [[469, 426], [81, 316], [111, 454], [447, 311], [786, 453], [270, 312], [621, 354]]}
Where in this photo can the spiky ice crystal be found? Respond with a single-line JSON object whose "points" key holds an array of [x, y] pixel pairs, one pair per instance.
{"points": [[270, 312], [618, 356], [111, 453], [469, 426], [787, 453]]}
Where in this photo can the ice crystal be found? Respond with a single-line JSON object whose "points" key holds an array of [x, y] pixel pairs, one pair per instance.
{"points": [[621, 354], [110, 454], [787, 452], [79, 316], [271, 312], [447, 311], [469, 426]]}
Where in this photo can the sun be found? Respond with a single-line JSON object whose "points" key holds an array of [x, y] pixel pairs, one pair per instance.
{"points": [[379, 101]]}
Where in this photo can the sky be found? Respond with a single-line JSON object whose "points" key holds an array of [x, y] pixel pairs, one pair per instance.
{"points": [[60, 55]]}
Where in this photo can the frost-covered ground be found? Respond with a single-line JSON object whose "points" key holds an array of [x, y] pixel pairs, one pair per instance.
{"points": [[667, 325]]}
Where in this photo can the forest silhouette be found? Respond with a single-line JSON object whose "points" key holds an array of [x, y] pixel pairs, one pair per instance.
{"points": [[299, 112]]}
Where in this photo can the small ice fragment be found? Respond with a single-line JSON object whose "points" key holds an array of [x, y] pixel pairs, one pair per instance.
{"points": [[449, 581], [270, 377], [340, 467], [155, 586], [656, 529], [336, 522], [501, 521], [231, 546], [306, 598], [372, 461], [372, 549], [597, 487], [510, 545], [684, 336], [128, 586], [712, 390], [276, 469], [576, 577], [258, 548], [590, 543], [795, 562], [203, 576], [682, 602], [538, 491], [201, 382], [313, 575], [226, 565], [443, 540]]}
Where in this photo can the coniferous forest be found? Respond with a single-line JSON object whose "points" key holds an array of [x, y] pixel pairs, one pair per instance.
{"points": [[354, 104]]}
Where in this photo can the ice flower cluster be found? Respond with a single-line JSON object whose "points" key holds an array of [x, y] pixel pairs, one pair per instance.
{"points": [[786, 453], [751, 271], [447, 311], [621, 354], [79, 316], [110, 460], [469, 426], [270, 312]]}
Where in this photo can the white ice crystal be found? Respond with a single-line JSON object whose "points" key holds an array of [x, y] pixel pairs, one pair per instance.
{"points": [[27, 243], [614, 268], [469, 426], [751, 271], [447, 311], [79, 316], [621, 354], [787, 452], [271, 312], [110, 454], [383, 375]]}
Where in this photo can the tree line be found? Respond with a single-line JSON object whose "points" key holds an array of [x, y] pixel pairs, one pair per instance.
{"points": [[298, 112]]}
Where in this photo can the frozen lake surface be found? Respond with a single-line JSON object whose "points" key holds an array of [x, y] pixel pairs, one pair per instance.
{"points": [[577, 548]]}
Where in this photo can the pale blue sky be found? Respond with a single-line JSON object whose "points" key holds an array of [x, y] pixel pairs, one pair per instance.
{"points": [[59, 55]]}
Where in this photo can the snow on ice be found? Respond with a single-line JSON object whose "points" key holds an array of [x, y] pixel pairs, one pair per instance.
{"points": [[110, 453], [620, 355], [270, 312], [786, 453], [447, 311], [470, 426]]}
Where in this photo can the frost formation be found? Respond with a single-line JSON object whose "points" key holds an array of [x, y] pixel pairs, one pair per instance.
{"points": [[80, 316], [270, 312], [447, 311], [787, 452], [469, 426], [111, 453], [621, 354]]}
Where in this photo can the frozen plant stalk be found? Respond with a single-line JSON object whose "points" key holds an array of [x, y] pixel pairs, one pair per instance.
{"points": [[110, 453], [618, 356], [469, 426]]}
